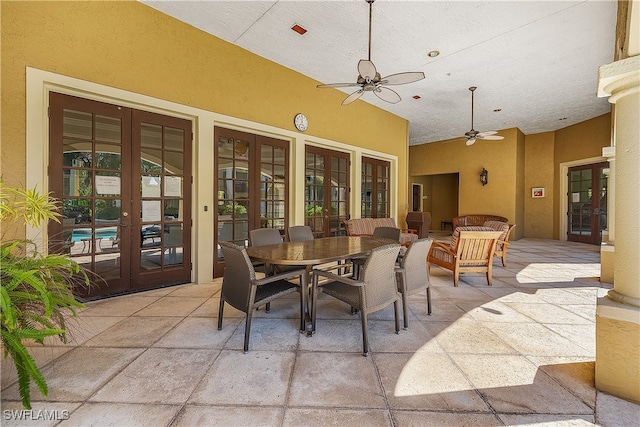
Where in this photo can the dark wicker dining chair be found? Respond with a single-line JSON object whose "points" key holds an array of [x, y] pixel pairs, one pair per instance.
{"points": [[299, 233], [412, 275], [375, 290], [383, 233], [243, 291], [261, 237]]}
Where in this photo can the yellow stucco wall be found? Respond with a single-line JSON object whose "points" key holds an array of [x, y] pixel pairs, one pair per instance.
{"points": [[539, 172], [130, 46], [500, 158], [515, 165]]}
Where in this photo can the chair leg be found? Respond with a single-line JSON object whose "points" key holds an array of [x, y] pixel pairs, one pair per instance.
{"points": [[247, 329], [405, 316], [397, 316], [220, 312], [365, 334], [456, 276], [504, 258], [268, 307], [429, 301]]}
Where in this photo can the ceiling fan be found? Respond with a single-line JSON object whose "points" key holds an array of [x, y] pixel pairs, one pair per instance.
{"points": [[472, 135], [369, 79]]}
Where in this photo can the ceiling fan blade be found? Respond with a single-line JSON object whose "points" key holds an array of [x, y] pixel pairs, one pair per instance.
{"points": [[329, 85], [470, 141], [367, 69], [387, 95], [493, 137], [402, 78], [489, 132], [355, 95]]}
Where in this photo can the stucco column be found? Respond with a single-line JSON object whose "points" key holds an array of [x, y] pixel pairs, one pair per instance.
{"points": [[608, 248], [618, 313]]}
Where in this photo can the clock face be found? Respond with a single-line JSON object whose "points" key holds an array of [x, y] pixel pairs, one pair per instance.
{"points": [[301, 122]]}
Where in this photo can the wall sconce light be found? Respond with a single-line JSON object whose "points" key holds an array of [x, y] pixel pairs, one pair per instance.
{"points": [[484, 177]]}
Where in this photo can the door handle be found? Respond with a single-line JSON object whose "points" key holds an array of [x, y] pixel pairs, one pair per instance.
{"points": [[124, 224]]}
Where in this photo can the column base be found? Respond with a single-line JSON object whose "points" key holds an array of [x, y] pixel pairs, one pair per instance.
{"points": [[617, 370]]}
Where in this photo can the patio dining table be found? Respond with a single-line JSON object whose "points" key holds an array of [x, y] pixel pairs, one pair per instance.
{"points": [[310, 253]]}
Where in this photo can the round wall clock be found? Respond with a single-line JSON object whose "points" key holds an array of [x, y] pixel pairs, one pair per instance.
{"points": [[301, 122]]}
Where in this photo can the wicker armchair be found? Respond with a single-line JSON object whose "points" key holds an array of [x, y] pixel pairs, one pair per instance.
{"points": [[412, 276], [374, 291], [470, 250], [243, 291]]}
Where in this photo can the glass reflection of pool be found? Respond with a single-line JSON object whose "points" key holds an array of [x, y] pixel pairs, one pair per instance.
{"points": [[85, 233]]}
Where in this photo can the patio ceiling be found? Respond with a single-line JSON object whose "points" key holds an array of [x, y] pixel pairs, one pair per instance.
{"points": [[535, 63]]}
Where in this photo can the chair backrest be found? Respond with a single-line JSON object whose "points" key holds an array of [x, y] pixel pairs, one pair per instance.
{"points": [[379, 276], [390, 233], [238, 275], [264, 236], [414, 263], [475, 248], [299, 233]]}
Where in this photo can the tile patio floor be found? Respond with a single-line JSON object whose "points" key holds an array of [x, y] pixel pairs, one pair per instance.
{"points": [[518, 353]]}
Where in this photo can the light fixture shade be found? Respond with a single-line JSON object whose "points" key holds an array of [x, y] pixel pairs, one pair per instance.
{"points": [[484, 177]]}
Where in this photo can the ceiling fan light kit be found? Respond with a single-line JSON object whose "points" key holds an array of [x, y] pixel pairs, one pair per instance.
{"points": [[369, 78]]}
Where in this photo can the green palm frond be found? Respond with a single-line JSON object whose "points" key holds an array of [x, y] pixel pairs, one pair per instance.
{"points": [[36, 289]]}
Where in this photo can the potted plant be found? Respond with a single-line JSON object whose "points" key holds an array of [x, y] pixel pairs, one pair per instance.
{"points": [[36, 288]]}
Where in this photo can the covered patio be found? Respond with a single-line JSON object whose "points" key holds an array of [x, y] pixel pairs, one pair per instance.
{"points": [[520, 352]]}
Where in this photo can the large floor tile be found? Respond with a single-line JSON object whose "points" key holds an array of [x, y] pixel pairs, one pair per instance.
{"points": [[41, 355], [161, 376], [172, 306], [575, 374], [535, 339], [125, 305], [542, 420], [468, 336], [77, 374], [121, 414], [613, 411], [134, 332], [198, 332], [312, 417], [271, 334], [512, 384], [42, 414], [245, 416], [426, 381], [440, 419], [346, 380], [257, 378]]}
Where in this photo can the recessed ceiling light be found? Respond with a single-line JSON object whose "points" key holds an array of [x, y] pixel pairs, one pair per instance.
{"points": [[298, 29], [433, 53], [416, 96]]}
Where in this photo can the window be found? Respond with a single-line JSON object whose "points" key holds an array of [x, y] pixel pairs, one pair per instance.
{"points": [[375, 188]]}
